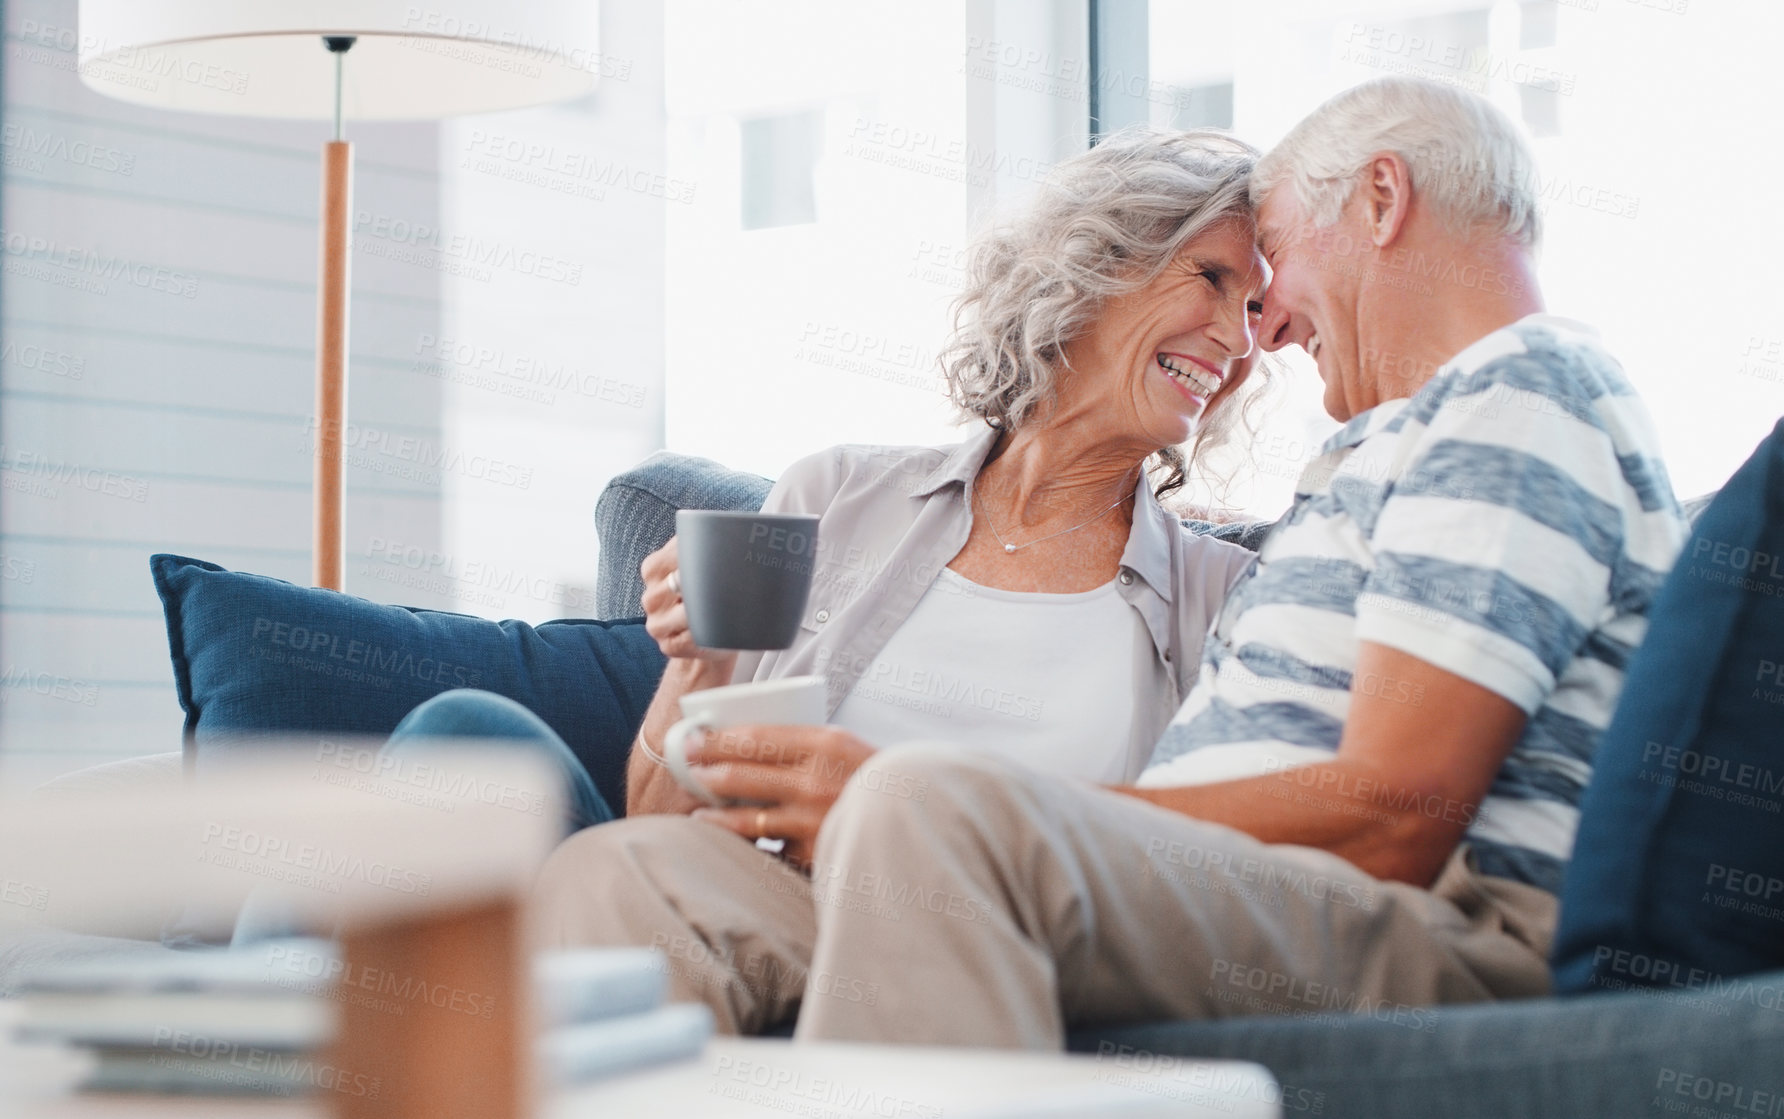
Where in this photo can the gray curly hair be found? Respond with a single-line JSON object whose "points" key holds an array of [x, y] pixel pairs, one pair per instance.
{"points": [[1103, 223]]}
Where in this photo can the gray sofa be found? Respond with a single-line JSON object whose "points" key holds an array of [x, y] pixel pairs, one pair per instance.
{"points": [[1619, 1054], [1600, 1055]]}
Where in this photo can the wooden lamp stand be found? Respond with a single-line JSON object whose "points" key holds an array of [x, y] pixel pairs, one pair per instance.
{"points": [[330, 561]]}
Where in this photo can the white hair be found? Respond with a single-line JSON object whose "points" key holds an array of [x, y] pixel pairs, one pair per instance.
{"points": [[1467, 159]]}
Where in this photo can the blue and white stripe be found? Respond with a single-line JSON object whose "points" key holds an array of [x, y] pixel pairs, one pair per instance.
{"points": [[1509, 523]]}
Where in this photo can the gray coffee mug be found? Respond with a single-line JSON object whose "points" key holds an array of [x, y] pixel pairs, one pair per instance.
{"points": [[745, 577]]}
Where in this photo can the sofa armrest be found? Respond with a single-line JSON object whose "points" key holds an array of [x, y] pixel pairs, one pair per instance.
{"points": [[636, 515], [1247, 534]]}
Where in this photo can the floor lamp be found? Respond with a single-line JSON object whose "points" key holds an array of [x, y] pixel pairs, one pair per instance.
{"points": [[338, 60]]}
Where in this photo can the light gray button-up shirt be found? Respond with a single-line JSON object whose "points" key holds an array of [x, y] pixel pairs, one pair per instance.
{"points": [[890, 518]]}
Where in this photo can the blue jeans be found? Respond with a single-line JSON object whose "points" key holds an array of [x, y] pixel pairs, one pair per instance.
{"points": [[462, 713], [471, 713]]}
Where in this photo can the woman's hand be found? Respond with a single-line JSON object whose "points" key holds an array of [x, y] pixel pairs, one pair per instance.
{"points": [[666, 615], [798, 772]]}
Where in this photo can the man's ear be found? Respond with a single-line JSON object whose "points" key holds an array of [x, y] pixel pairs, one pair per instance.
{"points": [[1387, 197]]}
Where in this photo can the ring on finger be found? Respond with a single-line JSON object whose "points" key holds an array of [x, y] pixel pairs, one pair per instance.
{"points": [[673, 582], [761, 823]]}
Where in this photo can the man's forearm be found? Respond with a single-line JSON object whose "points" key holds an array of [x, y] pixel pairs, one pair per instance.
{"points": [[1392, 831]]}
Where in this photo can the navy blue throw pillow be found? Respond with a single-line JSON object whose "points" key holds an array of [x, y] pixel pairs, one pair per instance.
{"points": [[1677, 878], [254, 655]]}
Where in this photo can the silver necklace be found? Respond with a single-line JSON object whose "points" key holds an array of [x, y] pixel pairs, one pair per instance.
{"points": [[1008, 547]]}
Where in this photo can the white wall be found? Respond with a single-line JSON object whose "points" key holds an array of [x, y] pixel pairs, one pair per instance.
{"points": [[189, 410], [555, 372], [174, 414]]}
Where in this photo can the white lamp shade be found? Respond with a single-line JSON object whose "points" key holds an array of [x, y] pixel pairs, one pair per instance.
{"points": [[412, 60]]}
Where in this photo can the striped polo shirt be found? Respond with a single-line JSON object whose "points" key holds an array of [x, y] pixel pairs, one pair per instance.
{"points": [[1509, 523]]}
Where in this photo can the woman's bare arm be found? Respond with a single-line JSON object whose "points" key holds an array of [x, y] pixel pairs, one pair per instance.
{"points": [[650, 788]]}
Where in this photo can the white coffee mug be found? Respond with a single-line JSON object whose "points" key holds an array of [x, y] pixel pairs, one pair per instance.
{"points": [[789, 701]]}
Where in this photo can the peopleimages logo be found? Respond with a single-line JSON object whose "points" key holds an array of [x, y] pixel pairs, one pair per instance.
{"points": [[355, 655], [1266, 991], [518, 375], [15, 680], [24, 895], [95, 267], [943, 157], [405, 773], [140, 67], [233, 1063], [1728, 1099], [568, 171], [529, 48], [1711, 768], [31, 472], [799, 1092], [471, 580], [26, 141], [304, 864], [1747, 561], [410, 456], [56, 363], [1617, 969], [1270, 877], [473, 252], [398, 990]]}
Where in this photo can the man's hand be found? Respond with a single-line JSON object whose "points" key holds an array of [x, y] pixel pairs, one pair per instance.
{"points": [[795, 772]]}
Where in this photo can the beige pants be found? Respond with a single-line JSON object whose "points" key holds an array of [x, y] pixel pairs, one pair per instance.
{"points": [[966, 900]]}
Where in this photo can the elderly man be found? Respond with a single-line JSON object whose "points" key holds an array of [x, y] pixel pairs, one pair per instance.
{"points": [[1368, 800]]}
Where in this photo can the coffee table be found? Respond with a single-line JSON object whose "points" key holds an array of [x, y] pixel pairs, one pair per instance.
{"points": [[757, 1077], [212, 842], [761, 1077]]}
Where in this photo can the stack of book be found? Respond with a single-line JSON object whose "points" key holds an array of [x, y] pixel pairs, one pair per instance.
{"points": [[208, 1021], [258, 1020], [604, 1012]]}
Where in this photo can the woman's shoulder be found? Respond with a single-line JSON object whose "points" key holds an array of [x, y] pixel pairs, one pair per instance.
{"points": [[817, 479], [879, 456], [871, 461]]}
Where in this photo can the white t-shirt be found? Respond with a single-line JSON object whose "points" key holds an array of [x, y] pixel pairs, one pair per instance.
{"points": [[1052, 680], [891, 517]]}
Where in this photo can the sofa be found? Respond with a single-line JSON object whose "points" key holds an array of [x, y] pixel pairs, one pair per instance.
{"points": [[1599, 1054], [1651, 1048]]}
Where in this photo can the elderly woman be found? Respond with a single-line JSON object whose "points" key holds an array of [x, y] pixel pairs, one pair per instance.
{"points": [[1022, 591], [1029, 578]]}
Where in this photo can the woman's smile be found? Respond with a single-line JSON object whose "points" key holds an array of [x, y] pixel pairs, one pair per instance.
{"points": [[1195, 378]]}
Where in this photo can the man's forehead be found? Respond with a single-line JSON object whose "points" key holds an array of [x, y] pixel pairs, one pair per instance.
{"points": [[1257, 267], [1274, 217]]}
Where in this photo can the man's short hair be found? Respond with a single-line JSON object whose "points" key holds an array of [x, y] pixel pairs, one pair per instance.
{"points": [[1468, 160]]}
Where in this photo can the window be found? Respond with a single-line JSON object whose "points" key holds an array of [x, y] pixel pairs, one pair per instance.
{"points": [[780, 155], [1654, 134], [817, 318], [756, 226]]}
